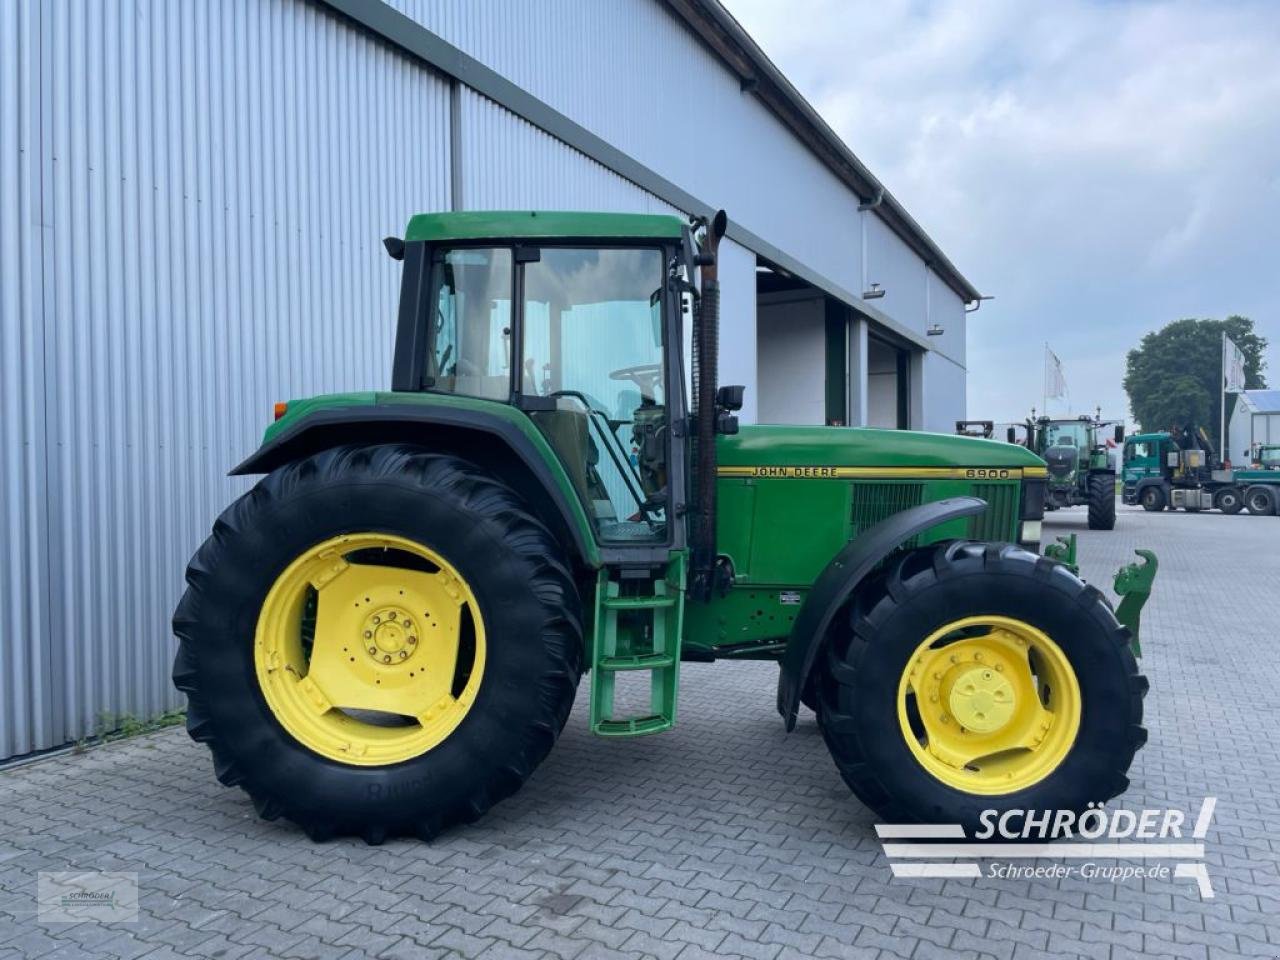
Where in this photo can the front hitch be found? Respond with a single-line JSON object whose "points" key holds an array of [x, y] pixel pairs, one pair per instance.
{"points": [[1133, 584]]}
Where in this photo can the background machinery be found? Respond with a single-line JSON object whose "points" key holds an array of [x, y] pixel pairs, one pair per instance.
{"points": [[1179, 469], [1076, 453]]}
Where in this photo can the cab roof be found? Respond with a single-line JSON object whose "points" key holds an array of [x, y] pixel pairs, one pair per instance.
{"points": [[541, 224]]}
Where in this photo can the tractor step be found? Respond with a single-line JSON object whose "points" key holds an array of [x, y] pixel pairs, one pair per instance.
{"points": [[638, 603], [639, 631]]}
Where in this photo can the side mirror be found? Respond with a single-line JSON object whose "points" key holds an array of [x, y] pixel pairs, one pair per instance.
{"points": [[395, 247], [1119, 433], [730, 397], [1011, 435]]}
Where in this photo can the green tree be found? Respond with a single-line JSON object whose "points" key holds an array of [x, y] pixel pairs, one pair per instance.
{"points": [[1174, 376]]}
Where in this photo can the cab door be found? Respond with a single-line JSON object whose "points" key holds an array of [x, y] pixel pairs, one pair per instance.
{"points": [[594, 377]]}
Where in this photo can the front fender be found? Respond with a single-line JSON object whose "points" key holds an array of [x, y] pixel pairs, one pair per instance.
{"points": [[841, 577]]}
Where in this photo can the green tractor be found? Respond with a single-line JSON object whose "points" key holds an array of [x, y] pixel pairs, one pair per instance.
{"points": [[385, 635], [1080, 470]]}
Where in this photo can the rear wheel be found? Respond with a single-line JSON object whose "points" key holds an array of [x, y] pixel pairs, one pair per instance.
{"points": [[1152, 499], [974, 677], [1229, 500], [1102, 502], [377, 641], [1260, 501]]}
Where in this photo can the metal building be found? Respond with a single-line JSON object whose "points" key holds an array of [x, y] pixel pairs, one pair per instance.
{"points": [[1254, 421], [192, 198]]}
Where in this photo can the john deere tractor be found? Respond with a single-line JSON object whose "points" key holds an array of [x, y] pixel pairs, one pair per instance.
{"points": [[1080, 471], [385, 635]]}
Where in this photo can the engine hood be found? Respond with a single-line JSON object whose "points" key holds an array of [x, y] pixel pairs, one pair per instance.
{"points": [[1062, 461], [788, 446]]}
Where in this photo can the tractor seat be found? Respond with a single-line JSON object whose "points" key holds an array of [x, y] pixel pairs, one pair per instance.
{"points": [[567, 430]]}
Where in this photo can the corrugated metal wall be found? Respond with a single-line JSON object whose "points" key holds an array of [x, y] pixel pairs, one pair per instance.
{"points": [[191, 201], [507, 163]]}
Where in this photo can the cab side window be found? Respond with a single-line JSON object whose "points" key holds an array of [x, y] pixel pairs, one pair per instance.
{"points": [[469, 332]]}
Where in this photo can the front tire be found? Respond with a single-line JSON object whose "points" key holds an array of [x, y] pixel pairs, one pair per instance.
{"points": [[1152, 499], [1102, 502], [944, 626], [378, 641]]}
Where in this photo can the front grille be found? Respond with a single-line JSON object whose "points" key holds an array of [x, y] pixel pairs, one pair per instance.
{"points": [[1000, 520], [872, 502]]}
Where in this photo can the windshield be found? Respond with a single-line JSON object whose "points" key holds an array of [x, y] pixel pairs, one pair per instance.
{"points": [[1269, 456], [1137, 450], [1073, 434]]}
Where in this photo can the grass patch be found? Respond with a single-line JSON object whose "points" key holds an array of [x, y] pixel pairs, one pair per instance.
{"points": [[121, 726]]}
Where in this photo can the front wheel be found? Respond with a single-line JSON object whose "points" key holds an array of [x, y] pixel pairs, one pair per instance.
{"points": [[1102, 502], [1152, 499], [377, 641], [980, 676]]}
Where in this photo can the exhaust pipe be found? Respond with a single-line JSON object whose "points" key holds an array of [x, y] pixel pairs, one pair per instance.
{"points": [[706, 353]]}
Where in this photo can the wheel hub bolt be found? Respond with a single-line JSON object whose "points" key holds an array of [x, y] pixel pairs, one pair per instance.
{"points": [[368, 634], [373, 650], [386, 658], [413, 640], [391, 615], [403, 654]]}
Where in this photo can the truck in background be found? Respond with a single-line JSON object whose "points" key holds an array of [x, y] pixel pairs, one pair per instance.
{"points": [[1179, 469]]}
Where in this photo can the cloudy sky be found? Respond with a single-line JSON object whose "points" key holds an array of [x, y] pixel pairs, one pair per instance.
{"points": [[1100, 168]]}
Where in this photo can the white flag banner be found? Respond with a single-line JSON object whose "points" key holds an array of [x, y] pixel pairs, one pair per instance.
{"points": [[1232, 366], [1055, 384]]}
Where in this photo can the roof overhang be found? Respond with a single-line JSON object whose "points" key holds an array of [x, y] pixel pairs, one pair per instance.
{"points": [[757, 75]]}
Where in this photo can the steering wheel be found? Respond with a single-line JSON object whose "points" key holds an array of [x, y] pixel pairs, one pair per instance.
{"points": [[646, 376]]}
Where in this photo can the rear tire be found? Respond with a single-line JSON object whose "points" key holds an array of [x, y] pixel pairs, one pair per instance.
{"points": [[1229, 500], [502, 554], [1152, 499], [1102, 502], [864, 660], [1260, 500]]}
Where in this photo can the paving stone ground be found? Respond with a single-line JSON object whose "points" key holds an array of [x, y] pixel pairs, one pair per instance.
{"points": [[724, 838]]}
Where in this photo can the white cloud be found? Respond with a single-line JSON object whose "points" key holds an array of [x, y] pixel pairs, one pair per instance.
{"points": [[1101, 168]]}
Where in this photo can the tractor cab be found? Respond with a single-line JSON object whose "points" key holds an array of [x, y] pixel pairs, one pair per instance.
{"points": [[1267, 456], [572, 335]]}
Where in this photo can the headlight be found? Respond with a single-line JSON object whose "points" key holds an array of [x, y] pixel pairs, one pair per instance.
{"points": [[1030, 533]]}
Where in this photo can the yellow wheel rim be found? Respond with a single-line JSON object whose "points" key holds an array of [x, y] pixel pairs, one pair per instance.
{"points": [[989, 705], [370, 649]]}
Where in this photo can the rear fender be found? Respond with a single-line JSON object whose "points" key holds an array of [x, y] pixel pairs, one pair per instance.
{"points": [[521, 458], [841, 577]]}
